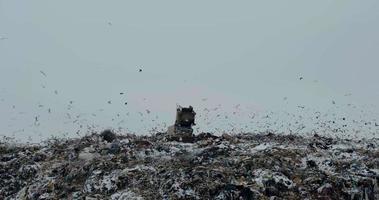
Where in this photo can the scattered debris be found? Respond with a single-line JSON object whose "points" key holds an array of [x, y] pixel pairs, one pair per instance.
{"points": [[243, 166]]}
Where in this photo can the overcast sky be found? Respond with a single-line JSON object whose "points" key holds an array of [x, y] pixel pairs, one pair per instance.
{"points": [[245, 57]]}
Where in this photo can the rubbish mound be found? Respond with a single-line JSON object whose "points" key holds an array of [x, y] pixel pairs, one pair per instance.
{"points": [[243, 166]]}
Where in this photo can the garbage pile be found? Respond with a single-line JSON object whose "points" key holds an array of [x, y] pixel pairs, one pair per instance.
{"points": [[244, 166]]}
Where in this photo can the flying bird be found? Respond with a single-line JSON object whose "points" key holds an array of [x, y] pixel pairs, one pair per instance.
{"points": [[43, 73]]}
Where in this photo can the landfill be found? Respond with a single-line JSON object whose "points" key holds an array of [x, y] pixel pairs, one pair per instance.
{"points": [[118, 166]]}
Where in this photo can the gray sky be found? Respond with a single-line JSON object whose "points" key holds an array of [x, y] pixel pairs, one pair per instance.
{"points": [[251, 53]]}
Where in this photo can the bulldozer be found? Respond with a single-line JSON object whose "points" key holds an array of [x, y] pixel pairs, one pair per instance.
{"points": [[182, 130]]}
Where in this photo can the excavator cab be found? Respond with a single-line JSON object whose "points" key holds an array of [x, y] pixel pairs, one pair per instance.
{"points": [[185, 117]]}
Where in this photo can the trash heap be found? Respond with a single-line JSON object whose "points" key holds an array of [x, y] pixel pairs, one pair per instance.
{"points": [[244, 166]]}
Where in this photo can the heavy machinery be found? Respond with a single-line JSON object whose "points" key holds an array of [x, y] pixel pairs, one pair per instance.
{"points": [[182, 129]]}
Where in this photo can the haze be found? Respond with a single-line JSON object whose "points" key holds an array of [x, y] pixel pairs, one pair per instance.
{"points": [[62, 61]]}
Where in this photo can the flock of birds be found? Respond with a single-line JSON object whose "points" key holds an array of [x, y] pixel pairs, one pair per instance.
{"points": [[265, 121], [71, 117], [218, 121]]}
